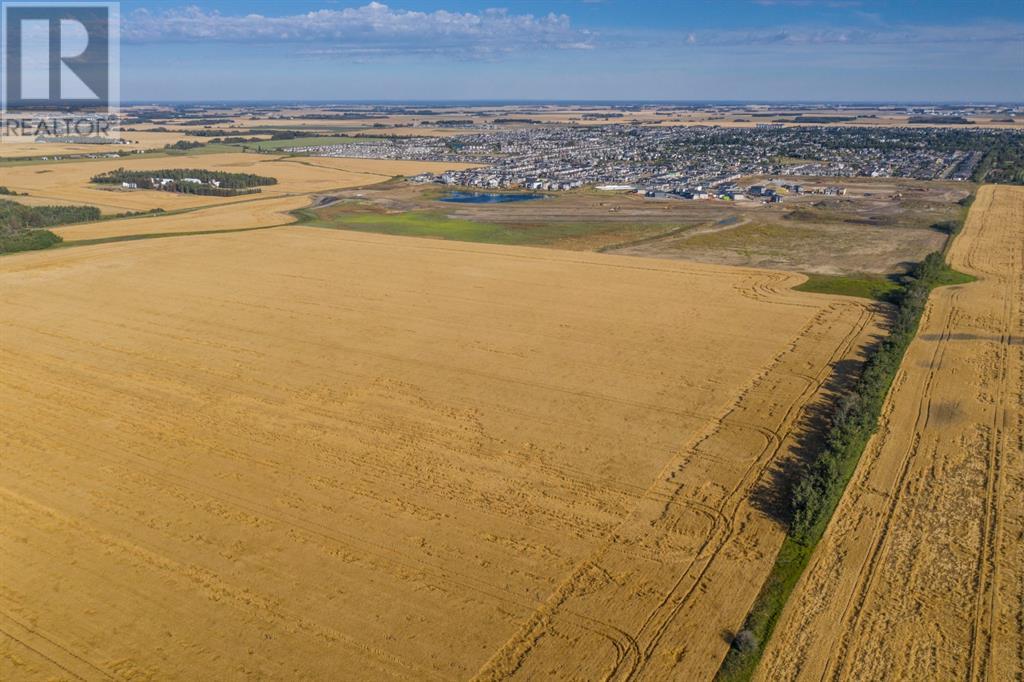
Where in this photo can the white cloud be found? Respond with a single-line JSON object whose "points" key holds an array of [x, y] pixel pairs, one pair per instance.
{"points": [[1006, 32], [375, 31], [374, 28]]}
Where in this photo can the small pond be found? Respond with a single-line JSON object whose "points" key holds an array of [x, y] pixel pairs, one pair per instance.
{"points": [[487, 198]]}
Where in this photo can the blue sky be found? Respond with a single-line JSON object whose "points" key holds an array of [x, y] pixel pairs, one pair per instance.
{"points": [[817, 50]]}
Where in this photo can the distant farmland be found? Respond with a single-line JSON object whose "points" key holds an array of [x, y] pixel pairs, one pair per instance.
{"points": [[305, 142]]}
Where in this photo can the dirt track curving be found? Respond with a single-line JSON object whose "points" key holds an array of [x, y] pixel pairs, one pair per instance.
{"points": [[302, 453], [921, 572]]}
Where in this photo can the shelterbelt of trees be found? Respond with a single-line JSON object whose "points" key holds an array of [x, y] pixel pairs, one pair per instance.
{"points": [[15, 217], [214, 183], [23, 228]]}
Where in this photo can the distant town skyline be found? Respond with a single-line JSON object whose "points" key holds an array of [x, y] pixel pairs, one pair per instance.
{"points": [[415, 50]]}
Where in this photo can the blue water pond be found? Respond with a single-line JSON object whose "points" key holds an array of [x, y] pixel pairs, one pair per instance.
{"points": [[487, 198]]}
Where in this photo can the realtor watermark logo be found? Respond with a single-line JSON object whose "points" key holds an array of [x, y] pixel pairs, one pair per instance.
{"points": [[61, 71]]}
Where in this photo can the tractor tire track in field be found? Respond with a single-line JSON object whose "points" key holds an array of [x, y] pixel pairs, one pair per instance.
{"points": [[729, 517], [274, 454], [934, 508]]}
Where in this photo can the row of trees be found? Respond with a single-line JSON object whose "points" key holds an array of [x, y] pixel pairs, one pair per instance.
{"points": [[184, 145], [15, 217], [856, 413]]}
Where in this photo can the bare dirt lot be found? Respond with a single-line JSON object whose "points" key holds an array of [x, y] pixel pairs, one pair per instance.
{"points": [[878, 227], [306, 453], [921, 572]]}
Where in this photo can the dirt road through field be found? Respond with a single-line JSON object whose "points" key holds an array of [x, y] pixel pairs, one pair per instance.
{"points": [[921, 573]]}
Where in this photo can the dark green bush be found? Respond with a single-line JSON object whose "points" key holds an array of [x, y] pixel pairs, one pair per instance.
{"points": [[27, 240]]}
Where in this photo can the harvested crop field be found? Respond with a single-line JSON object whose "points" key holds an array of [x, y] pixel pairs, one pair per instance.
{"points": [[257, 212], [921, 573], [305, 453], [133, 141], [69, 181]]}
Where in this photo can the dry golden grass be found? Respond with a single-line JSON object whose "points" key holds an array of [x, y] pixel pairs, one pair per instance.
{"points": [[921, 572], [302, 453]]}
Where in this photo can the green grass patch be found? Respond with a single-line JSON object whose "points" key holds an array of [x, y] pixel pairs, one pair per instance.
{"points": [[272, 145], [950, 277], [740, 663], [411, 224], [874, 288], [214, 148], [160, 235], [354, 216]]}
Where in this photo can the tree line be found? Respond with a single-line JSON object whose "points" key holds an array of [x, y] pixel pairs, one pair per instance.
{"points": [[856, 413], [15, 217], [820, 484]]}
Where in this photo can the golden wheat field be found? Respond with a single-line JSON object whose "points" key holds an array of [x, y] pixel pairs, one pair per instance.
{"points": [[134, 140], [304, 453], [68, 182], [258, 212], [921, 572]]}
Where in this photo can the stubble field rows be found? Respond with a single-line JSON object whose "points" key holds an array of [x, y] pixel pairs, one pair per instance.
{"points": [[921, 573], [308, 453]]}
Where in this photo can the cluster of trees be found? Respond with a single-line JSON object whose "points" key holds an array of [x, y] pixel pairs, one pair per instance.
{"points": [[27, 240], [802, 118], [184, 145], [450, 122], [1004, 163], [275, 134], [15, 217], [213, 120], [234, 140], [856, 414], [347, 116], [22, 227], [938, 118], [227, 184], [209, 132], [11, 193]]}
